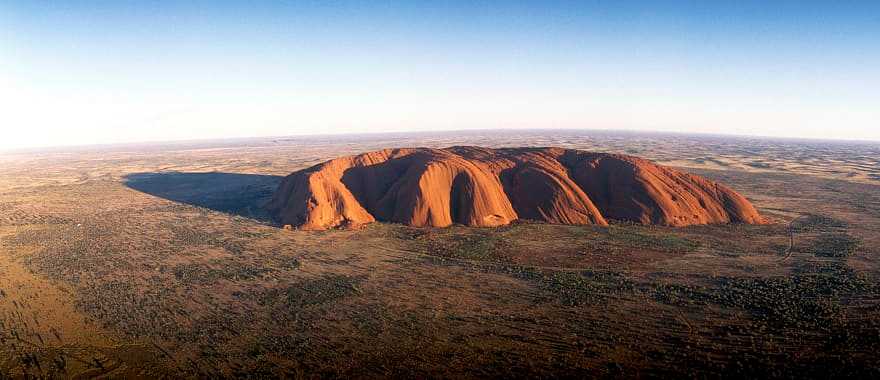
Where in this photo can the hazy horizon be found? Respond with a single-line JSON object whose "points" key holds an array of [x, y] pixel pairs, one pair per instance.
{"points": [[83, 74], [350, 136]]}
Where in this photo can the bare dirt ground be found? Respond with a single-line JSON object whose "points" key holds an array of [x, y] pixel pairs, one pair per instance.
{"points": [[158, 261]]}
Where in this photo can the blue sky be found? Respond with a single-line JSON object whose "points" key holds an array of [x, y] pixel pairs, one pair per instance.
{"points": [[104, 72]]}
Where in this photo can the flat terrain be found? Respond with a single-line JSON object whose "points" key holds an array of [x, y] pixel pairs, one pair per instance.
{"points": [[159, 261]]}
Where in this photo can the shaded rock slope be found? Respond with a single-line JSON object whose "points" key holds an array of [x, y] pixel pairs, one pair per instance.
{"points": [[484, 187]]}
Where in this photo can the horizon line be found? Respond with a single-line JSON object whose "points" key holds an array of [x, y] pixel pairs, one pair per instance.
{"points": [[37, 148]]}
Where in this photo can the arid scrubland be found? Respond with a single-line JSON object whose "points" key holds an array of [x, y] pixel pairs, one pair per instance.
{"points": [[159, 261]]}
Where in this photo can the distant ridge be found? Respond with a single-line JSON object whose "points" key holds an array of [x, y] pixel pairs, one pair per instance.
{"points": [[485, 187]]}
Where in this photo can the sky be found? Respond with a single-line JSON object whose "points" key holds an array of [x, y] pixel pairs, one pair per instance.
{"points": [[77, 72]]}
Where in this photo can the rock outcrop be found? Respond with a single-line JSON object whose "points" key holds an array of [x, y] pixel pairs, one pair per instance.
{"points": [[490, 187]]}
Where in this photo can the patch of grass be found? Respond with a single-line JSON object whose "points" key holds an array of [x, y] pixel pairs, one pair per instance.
{"points": [[286, 262], [636, 237], [835, 245], [477, 246], [571, 288], [193, 237], [313, 292], [808, 301], [577, 288], [464, 243], [407, 233], [504, 244], [196, 273], [816, 222]]}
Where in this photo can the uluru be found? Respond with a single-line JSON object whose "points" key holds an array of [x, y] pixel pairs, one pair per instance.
{"points": [[484, 187]]}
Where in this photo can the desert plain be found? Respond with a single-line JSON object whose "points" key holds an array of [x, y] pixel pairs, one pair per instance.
{"points": [[159, 261]]}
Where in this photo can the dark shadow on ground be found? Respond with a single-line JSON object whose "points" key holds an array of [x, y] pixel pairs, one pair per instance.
{"points": [[231, 193]]}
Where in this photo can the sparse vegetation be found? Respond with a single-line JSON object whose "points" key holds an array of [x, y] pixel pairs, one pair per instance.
{"points": [[835, 245], [814, 222], [312, 292], [478, 245], [634, 237], [578, 288], [806, 301], [192, 284]]}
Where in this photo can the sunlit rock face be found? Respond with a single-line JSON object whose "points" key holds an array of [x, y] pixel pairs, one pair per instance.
{"points": [[485, 187]]}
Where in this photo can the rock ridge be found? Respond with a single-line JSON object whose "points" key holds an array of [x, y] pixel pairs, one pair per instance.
{"points": [[485, 187]]}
